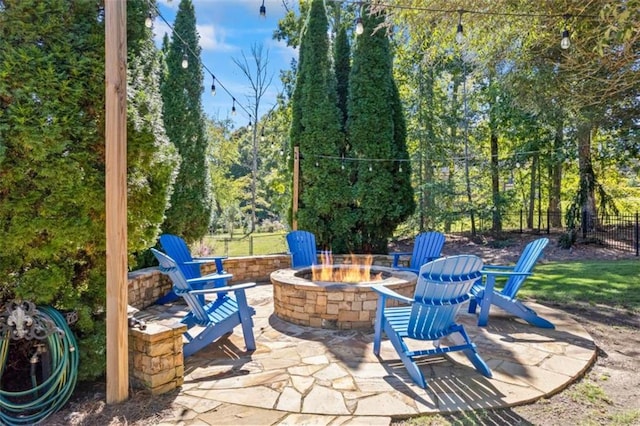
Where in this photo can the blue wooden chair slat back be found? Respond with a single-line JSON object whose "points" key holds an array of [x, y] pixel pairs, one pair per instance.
{"points": [[302, 246], [528, 259], [442, 286], [427, 246], [180, 284], [178, 250]]}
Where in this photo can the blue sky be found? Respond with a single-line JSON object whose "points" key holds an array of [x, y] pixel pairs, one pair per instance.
{"points": [[227, 28]]}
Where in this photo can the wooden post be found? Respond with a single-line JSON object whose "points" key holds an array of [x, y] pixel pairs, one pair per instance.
{"points": [[116, 198], [296, 176]]}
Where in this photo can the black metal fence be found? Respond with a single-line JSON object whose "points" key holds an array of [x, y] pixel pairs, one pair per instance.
{"points": [[621, 232]]}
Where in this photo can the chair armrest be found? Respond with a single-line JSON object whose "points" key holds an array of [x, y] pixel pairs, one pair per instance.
{"points": [[387, 292], [505, 273], [497, 267], [209, 278], [209, 258], [396, 257], [225, 289]]}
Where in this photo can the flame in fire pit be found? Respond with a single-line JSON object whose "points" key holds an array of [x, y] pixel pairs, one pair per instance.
{"points": [[352, 272]]}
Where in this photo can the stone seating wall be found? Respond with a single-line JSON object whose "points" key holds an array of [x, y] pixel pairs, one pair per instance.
{"points": [[156, 360]]}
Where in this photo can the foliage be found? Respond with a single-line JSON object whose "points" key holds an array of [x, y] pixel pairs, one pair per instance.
{"points": [[52, 208], [189, 214], [376, 132], [315, 128]]}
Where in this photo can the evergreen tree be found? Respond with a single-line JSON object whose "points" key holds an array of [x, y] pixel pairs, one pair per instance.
{"points": [[376, 131], [324, 193], [191, 202], [342, 64], [152, 161], [52, 175]]}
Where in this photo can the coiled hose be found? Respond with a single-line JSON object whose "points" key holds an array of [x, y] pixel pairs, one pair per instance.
{"points": [[34, 405]]}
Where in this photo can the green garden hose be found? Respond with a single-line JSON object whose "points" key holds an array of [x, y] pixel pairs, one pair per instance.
{"points": [[32, 406]]}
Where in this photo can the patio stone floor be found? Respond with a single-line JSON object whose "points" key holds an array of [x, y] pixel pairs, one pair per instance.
{"points": [[304, 376]]}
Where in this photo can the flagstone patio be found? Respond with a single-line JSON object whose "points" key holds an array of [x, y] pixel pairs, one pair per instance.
{"points": [[303, 375]]}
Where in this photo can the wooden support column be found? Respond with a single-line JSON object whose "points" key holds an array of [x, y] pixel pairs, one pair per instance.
{"points": [[296, 177], [116, 199]]}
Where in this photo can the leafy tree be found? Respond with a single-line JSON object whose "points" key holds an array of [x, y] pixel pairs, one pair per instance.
{"points": [[376, 134], [324, 196], [342, 61], [191, 205], [259, 80], [52, 176]]}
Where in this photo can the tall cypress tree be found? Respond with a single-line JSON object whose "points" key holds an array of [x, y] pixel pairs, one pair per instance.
{"points": [[376, 132], [324, 192], [342, 65], [52, 180], [191, 202], [152, 160]]}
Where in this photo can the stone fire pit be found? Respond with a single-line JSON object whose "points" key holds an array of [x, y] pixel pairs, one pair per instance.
{"points": [[299, 300]]}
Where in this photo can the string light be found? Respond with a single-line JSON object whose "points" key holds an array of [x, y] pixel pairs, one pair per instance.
{"points": [[250, 124], [185, 62], [565, 42], [262, 135], [213, 85], [359, 26], [148, 22], [459, 30], [263, 10]]}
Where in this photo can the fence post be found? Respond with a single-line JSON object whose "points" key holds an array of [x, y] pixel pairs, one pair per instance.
{"points": [[521, 221], [548, 222], [637, 236]]}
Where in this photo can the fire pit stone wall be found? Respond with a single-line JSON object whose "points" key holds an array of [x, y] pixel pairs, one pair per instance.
{"points": [[333, 305]]}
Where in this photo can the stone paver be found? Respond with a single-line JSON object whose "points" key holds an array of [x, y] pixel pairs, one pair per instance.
{"points": [[304, 376]]}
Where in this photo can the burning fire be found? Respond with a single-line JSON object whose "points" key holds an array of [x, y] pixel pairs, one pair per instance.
{"points": [[352, 272]]}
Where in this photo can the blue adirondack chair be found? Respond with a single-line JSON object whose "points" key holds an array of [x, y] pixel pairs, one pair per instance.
{"points": [[485, 294], [178, 250], [442, 286], [427, 247], [302, 248], [214, 318]]}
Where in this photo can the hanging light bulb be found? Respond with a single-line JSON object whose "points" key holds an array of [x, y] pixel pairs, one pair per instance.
{"points": [[148, 22], [213, 85], [460, 30], [359, 26], [250, 125], [263, 10], [566, 41], [262, 135], [400, 168], [233, 107], [185, 61], [370, 167]]}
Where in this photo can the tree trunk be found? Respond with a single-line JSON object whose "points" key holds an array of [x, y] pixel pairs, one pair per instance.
{"points": [[532, 190], [495, 184], [555, 176], [587, 176]]}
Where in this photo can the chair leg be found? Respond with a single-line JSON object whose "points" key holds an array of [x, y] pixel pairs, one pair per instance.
{"points": [[473, 355], [473, 304], [518, 309], [246, 320], [379, 324], [401, 349]]}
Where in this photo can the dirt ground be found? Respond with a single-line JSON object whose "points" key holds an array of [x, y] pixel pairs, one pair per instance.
{"points": [[609, 393]]}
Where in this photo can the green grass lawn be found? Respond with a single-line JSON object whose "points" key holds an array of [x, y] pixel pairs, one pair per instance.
{"points": [[614, 283], [251, 245]]}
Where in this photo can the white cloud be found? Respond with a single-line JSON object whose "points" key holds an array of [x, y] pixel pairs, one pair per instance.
{"points": [[159, 30], [213, 39]]}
